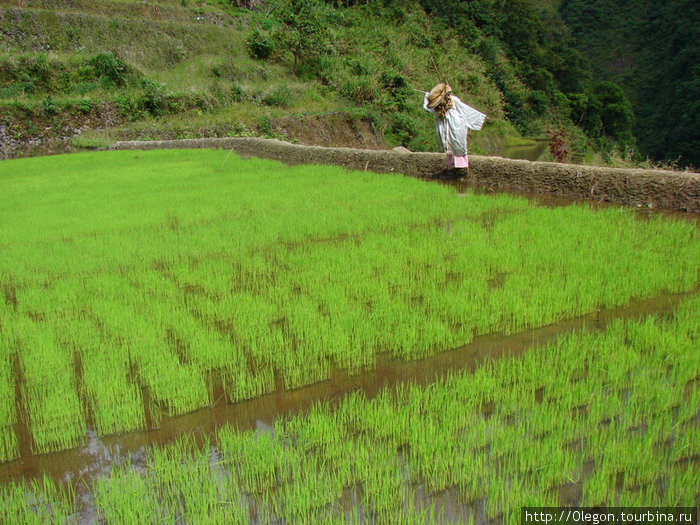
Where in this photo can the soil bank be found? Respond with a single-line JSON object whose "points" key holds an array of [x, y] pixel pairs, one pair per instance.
{"points": [[669, 190]]}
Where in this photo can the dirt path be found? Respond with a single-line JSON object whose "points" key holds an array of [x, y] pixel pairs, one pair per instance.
{"points": [[634, 187]]}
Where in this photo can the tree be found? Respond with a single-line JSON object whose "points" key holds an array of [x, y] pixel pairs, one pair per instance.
{"points": [[616, 111], [303, 30], [603, 110]]}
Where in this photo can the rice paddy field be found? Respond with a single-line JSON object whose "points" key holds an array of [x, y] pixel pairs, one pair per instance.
{"points": [[140, 286]]}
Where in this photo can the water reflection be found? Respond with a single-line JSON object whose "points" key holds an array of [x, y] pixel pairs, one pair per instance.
{"points": [[525, 152]]}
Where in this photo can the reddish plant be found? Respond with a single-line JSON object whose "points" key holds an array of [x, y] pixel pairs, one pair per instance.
{"points": [[558, 146]]}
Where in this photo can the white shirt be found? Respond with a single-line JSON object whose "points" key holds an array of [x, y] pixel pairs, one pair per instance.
{"points": [[451, 131]]}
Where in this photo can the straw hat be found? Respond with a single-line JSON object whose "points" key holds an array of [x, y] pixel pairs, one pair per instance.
{"points": [[438, 93]]}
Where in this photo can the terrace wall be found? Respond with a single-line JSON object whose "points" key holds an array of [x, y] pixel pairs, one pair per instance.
{"points": [[636, 187]]}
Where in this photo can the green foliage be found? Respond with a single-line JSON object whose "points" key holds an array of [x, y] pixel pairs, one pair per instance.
{"points": [[82, 88], [50, 107], [542, 80], [359, 89], [11, 91], [539, 102], [398, 91], [404, 128], [127, 106], [33, 74], [531, 57], [604, 111], [152, 99], [84, 105], [265, 126], [303, 30], [281, 96], [489, 49], [615, 111], [27, 74], [515, 60], [237, 93], [110, 68], [418, 37], [651, 50], [260, 45], [569, 67]]}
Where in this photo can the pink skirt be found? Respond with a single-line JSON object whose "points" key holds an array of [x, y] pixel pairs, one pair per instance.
{"points": [[457, 162]]}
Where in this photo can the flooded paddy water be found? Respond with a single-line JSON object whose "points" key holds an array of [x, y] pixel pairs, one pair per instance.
{"points": [[98, 455], [98, 458]]}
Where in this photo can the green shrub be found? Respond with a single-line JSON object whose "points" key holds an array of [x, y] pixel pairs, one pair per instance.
{"points": [[270, 23], [359, 66], [237, 93], [110, 67], [423, 142], [489, 49], [86, 73], [81, 88], [84, 105], [41, 68], [260, 45], [153, 98], [50, 107], [128, 106], [539, 101], [404, 128], [11, 91], [265, 126], [396, 86], [280, 97], [418, 37], [359, 89]]}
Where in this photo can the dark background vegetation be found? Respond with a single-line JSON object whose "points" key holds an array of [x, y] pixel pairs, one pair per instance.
{"points": [[614, 82], [652, 50]]}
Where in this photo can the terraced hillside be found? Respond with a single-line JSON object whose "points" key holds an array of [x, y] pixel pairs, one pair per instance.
{"points": [[83, 74]]}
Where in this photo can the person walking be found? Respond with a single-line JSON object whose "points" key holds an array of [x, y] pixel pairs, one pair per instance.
{"points": [[452, 120]]}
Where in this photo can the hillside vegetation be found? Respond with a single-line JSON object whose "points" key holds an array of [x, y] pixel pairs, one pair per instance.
{"points": [[652, 49], [105, 70]]}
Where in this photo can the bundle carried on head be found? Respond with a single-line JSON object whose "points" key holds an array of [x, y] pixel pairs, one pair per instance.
{"points": [[440, 98]]}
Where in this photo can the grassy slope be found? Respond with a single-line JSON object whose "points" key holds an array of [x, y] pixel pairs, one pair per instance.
{"points": [[197, 51]]}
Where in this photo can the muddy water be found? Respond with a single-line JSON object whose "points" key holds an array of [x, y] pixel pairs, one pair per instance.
{"points": [[462, 184], [527, 152], [39, 148], [95, 458]]}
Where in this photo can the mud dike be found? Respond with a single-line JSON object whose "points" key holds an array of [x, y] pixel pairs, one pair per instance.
{"points": [[677, 191]]}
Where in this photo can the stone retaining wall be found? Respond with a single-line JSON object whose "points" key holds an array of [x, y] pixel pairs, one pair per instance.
{"points": [[635, 187]]}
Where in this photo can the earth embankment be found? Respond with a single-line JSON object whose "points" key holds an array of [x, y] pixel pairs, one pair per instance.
{"points": [[678, 191]]}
